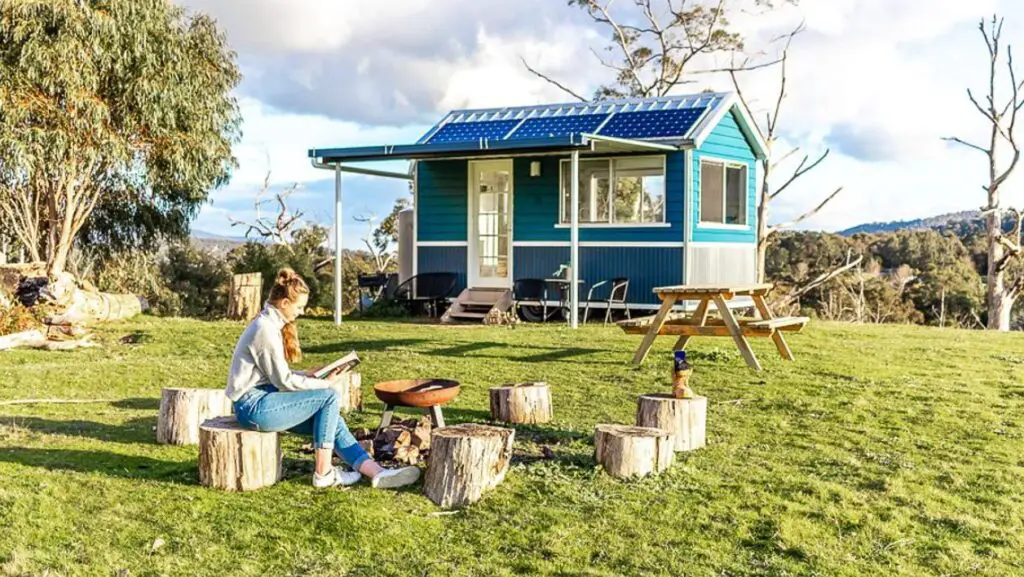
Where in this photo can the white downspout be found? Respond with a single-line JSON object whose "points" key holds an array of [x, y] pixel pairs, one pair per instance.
{"points": [[574, 242]]}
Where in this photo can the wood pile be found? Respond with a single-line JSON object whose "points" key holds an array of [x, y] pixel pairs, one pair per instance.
{"points": [[400, 443]]}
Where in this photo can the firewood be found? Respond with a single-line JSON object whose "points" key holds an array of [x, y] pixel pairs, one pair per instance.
{"points": [[626, 452], [182, 411], [404, 438], [367, 446], [525, 403], [362, 433], [684, 419], [466, 461], [233, 458], [409, 455]]}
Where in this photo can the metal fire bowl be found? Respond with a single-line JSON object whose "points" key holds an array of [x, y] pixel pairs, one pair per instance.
{"points": [[416, 392]]}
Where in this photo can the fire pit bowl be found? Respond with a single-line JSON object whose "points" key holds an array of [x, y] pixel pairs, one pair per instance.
{"points": [[423, 393]]}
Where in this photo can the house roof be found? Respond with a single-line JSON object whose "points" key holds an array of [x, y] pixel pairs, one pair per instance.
{"points": [[668, 122]]}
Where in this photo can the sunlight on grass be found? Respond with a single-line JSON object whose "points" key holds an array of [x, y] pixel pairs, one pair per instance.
{"points": [[882, 450]]}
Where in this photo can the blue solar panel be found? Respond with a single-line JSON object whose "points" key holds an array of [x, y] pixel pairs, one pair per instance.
{"points": [[652, 123], [558, 126], [470, 131]]}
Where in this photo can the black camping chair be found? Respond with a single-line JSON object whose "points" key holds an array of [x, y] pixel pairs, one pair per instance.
{"points": [[374, 286], [531, 299], [427, 290], [617, 295]]}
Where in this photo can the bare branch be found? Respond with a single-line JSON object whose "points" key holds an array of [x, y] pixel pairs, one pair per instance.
{"points": [[807, 214], [550, 80], [800, 171], [821, 279], [965, 143]]}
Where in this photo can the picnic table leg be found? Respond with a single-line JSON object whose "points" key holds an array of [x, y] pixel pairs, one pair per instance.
{"points": [[655, 328], [780, 341], [736, 332], [701, 317]]}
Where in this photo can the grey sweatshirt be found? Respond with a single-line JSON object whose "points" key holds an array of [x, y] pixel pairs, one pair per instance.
{"points": [[259, 359]]}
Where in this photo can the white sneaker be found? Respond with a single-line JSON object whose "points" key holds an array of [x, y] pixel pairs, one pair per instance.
{"points": [[336, 477], [392, 478]]}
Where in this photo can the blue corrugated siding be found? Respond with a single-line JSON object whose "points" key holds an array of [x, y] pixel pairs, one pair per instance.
{"points": [[646, 267], [728, 143], [535, 213], [443, 259], [442, 186]]}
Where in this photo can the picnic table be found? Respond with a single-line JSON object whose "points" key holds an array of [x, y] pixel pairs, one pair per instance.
{"points": [[685, 326]]}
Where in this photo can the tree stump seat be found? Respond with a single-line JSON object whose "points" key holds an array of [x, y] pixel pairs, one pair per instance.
{"points": [[466, 461], [183, 410], [628, 452], [233, 458], [522, 403]]}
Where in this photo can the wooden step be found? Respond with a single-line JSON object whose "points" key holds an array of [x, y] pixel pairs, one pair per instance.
{"points": [[468, 315]]}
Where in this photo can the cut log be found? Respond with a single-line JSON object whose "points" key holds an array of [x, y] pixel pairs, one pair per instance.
{"points": [[33, 338], [684, 419], [629, 452], [245, 297], [349, 387], [182, 411], [521, 403], [91, 307], [232, 458], [466, 461]]}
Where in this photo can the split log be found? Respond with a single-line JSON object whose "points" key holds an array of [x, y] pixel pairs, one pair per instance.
{"points": [[626, 452], [465, 461], [246, 291], [182, 411], [350, 392], [684, 419], [90, 307], [233, 458], [521, 403]]}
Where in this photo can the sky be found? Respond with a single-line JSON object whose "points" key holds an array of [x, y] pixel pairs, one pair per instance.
{"points": [[878, 83]]}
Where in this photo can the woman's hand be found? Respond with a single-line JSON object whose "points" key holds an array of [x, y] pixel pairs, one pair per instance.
{"points": [[312, 372]]}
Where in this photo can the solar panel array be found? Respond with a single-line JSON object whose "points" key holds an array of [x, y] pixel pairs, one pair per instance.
{"points": [[558, 126], [671, 117], [652, 124], [470, 131]]}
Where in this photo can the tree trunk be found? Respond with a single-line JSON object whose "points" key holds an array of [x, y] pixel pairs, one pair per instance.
{"points": [[182, 411], [233, 458], [998, 305], [349, 387], [684, 419], [466, 461], [524, 403], [32, 338], [246, 293], [626, 452], [762, 220]]}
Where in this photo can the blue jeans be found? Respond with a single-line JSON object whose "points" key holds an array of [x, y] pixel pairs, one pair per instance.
{"points": [[307, 413]]}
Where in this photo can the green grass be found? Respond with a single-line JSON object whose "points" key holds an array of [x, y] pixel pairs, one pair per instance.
{"points": [[881, 451]]}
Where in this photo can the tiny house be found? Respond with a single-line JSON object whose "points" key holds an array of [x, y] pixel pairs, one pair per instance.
{"points": [[664, 193]]}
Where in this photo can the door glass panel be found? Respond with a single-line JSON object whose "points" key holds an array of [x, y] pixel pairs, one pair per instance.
{"points": [[493, 217]]}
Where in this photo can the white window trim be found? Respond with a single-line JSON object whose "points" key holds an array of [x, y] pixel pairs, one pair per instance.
{"points": [[710, 224], [611, 191]]}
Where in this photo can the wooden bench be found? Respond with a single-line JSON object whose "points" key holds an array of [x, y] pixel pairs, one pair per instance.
{"points": [[789, 324]]}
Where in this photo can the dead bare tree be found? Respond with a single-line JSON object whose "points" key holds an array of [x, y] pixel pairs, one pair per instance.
{"points": [[658, 44], [1001, 115], [769, 132], [277, 229]]}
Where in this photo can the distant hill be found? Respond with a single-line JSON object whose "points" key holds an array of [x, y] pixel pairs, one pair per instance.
{"points": [[216, 243], [916, 224]]}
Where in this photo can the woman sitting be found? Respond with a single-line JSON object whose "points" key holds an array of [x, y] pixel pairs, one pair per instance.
{"points": [[268, 396]]}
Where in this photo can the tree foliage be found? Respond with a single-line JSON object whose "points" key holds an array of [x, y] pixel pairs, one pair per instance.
{"points": [[118, 109]]}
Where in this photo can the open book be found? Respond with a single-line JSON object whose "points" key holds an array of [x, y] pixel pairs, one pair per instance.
{"points": [[342, 365]]}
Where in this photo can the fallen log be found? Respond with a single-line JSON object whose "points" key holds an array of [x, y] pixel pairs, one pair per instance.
{"points": [[88, 307], [23, 339]]}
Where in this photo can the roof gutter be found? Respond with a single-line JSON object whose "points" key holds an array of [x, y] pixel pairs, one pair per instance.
{"points": [[356, 170]]}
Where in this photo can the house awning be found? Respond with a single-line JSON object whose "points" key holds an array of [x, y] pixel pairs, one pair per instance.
{"points": [[484, 147]]}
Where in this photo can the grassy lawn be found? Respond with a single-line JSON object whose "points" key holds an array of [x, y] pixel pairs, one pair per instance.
{"points": [[882, 450]]}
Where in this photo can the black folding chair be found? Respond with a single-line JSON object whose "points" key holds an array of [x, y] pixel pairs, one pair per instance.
{"points": [[531, 299], [427, 290], [617, 295]]}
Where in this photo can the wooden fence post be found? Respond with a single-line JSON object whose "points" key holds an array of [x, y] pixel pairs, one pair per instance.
{"points": [[246, 292]]}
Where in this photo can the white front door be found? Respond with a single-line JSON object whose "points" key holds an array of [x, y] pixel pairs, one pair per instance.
{"points": [[490, 224]]}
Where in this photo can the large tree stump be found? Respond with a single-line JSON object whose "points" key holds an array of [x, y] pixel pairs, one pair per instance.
{"points": [[246, 292], [182, 411], [349, 387], [466, 461], [233, 458], [626, 452], [524, 403], [684, 419]]}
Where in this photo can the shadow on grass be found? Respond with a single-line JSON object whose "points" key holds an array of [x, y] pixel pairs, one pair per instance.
{"points": [[111, 464], [362, 346], [138, 404], [133, 431], [514, 352]]}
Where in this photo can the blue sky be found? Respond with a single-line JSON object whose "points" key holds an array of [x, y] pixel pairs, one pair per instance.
{"points": [[879, 82]]}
